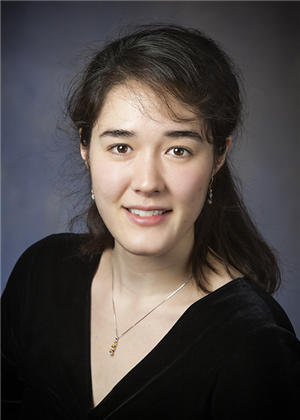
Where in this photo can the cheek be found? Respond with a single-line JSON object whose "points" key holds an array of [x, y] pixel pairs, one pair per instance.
{"points": [[108, 181], [191, 186]]}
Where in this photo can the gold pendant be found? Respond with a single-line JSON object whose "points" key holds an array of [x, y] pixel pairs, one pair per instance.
{"points": [[113, 347]]}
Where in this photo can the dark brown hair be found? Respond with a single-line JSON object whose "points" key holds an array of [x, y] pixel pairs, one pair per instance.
{"points": [[187, 65]]}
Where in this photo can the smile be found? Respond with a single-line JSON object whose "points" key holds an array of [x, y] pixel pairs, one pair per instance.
{"points": [[144, 213]]}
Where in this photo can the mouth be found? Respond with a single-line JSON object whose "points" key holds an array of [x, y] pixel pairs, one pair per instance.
{"points": [[147, 213]]}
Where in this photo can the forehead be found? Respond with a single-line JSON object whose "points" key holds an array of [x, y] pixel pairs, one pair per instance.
{"points": [[138, 100]]}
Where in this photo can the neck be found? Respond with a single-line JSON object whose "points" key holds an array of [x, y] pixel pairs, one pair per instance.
{"points": [[142, 276]]}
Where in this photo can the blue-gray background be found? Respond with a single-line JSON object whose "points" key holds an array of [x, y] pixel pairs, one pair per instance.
{"points": [[40, 38]]}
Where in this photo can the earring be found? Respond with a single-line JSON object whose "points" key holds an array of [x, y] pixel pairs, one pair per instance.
{"points": [[210, 192], [92, 194]]}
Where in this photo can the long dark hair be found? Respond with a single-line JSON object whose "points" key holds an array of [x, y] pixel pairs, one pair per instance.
{"points": [[187, 65]]}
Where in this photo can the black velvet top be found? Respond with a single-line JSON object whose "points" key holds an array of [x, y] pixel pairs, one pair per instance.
{"points": [[231, 355]]}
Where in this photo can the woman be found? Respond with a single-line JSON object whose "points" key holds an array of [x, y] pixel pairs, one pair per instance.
{"points": [[163, 309]]}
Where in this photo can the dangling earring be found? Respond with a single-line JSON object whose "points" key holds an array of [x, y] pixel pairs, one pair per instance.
{"points": [[210, 192], [92, 194]]}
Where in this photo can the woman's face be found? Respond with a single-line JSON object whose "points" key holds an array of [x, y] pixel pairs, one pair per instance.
{"points": [[150, 174]]}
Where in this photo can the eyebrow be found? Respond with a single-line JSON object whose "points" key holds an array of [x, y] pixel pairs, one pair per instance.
{"points": [[172, 134], [184, 133], [117, 133]]}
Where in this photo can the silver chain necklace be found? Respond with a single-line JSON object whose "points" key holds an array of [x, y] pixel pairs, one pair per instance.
{"points": [[113, 347]]}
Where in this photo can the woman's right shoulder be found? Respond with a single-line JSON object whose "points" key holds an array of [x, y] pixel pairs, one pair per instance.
{"points": [[51, 266], [56, 246], [50, 255], [64, 241]]}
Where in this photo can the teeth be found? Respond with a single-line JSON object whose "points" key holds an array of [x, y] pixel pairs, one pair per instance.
{"points": [[144, 213]]}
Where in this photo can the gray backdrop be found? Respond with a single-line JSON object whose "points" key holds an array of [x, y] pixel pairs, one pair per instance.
{"points": [[40, 38]]}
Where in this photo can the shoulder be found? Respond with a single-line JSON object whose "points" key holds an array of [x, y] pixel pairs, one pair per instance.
{"points": [[54, 249], [272, 312], [49, 282], [252, 308], [55, 244], [235, 312], [50, 272], [54, 260], [263, 359]]}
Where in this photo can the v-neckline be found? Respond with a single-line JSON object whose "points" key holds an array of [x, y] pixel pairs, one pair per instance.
{"points": [[168, 336]]}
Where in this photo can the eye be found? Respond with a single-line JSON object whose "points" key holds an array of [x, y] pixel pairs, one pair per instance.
{"points": [[120, 149], [179, 151]]}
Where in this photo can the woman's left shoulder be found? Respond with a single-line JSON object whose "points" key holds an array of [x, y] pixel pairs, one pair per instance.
{"points": [[261, 309], [261, 377]]}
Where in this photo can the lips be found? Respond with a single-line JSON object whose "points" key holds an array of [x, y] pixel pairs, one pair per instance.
{"points": [[147, 216], [146, 213]]}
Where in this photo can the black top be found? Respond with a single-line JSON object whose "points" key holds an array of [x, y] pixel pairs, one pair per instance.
{"points": [[231, 355]]}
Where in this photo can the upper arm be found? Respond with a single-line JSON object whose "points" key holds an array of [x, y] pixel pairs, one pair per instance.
{"points": [[262, 379], [12, 328]]}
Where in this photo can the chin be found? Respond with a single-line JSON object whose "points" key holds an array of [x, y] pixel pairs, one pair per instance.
{"points": [[144, 250]]}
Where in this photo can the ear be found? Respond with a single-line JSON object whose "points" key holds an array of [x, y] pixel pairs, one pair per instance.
{"points": [[84, 152], [221, 159]]}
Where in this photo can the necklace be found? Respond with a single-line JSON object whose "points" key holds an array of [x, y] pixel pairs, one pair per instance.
{"points": [[113, 347]]}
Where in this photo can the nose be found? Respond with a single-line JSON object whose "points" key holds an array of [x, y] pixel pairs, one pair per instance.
{"points": [[147, 177]]}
